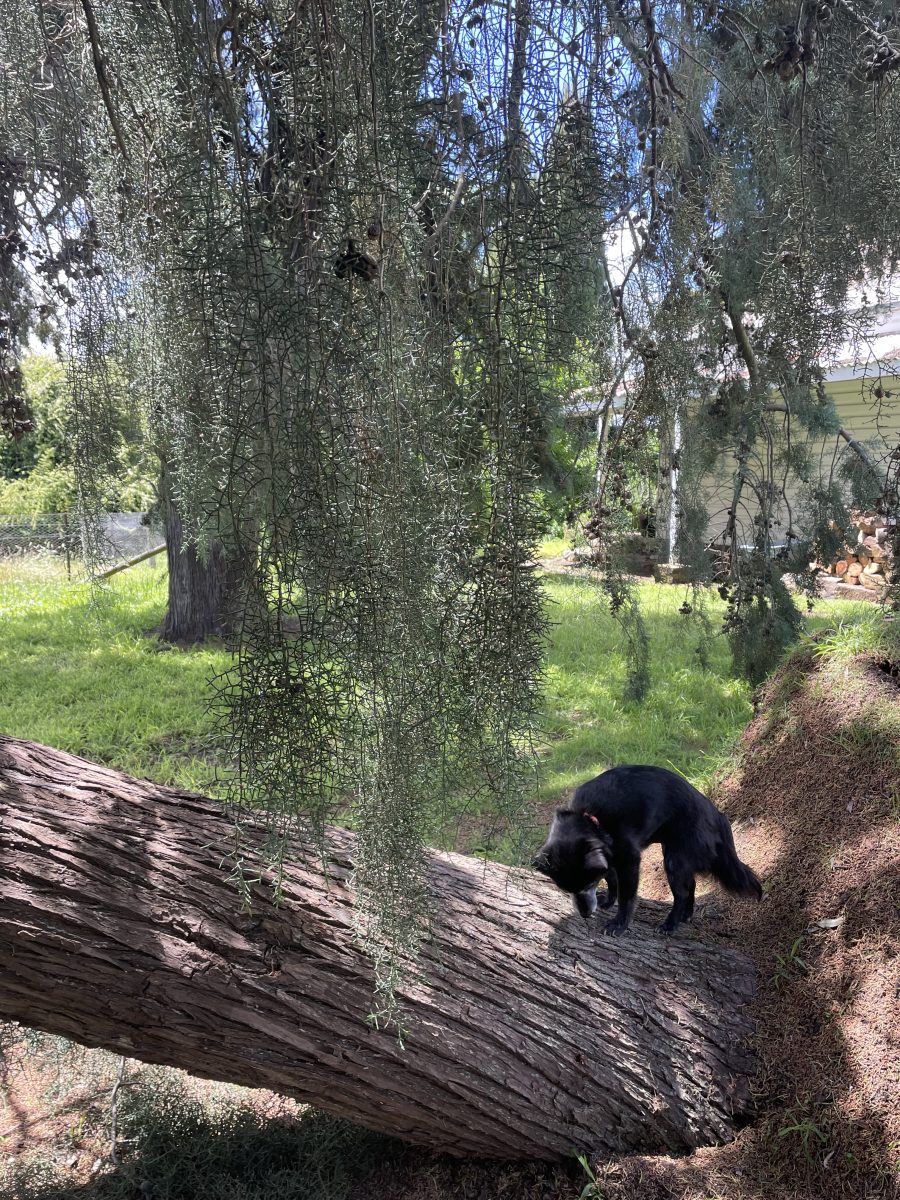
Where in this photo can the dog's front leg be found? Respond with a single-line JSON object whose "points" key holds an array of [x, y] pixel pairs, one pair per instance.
{"points": [[612, 890], [628, 869]]}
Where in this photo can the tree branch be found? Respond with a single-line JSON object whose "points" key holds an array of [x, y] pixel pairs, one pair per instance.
{"points": [[103, 76]]}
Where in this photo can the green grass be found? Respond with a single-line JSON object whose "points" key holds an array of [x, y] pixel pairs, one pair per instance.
{"points": [[79, 672], [553, 547], [857, 633], [690, 718]]}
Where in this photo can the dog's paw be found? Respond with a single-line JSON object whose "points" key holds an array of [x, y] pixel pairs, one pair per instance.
{"points": [[614, 928], [666, 930]]}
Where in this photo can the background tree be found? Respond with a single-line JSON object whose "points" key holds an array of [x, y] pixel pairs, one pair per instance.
{"points": [[54, 271], [37, 473], [751, 227]]}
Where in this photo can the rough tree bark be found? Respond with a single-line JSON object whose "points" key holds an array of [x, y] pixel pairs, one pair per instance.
{"points": [[201, 589], [529, 1034]]}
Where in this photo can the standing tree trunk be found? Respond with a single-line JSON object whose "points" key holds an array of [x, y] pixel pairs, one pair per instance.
{"points": [[665, 491], [16, 418], [202, 589], [528, 1034]]}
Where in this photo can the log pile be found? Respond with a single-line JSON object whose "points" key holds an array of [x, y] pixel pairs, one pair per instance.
{"points": [[869, 562]]}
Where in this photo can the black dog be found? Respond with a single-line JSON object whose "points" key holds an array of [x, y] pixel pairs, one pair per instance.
{"points": [[609, 822]]}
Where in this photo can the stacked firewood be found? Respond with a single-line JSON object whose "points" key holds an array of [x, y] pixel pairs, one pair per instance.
{"points": [[869, 563]]}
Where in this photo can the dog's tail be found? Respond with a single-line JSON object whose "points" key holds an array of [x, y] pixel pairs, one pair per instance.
{"points": [[729, 870]]}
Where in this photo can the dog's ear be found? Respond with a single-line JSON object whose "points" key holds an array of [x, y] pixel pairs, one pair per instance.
{"points": [[596, 860], [541, 862]]}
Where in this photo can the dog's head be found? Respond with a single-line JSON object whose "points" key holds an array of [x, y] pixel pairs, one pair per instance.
{"points": [[576, 853]]}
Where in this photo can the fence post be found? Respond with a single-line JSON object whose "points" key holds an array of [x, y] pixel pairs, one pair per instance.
{"points": [[65, 521]]}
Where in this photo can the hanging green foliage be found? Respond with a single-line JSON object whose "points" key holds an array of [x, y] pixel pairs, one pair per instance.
{"points": [[347, 257]]}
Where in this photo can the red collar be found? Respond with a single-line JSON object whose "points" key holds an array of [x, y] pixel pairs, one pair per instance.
{"points": [[591, 817]]}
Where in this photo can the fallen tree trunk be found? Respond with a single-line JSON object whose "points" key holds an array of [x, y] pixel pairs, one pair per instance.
{"points": [[529, 1033]]}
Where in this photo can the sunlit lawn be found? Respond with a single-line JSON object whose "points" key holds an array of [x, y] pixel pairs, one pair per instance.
{"points": [[692, 715], [689, 718], [80, 672]]}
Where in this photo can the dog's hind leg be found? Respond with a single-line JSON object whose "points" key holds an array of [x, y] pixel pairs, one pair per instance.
{"points": [[681, 881]]}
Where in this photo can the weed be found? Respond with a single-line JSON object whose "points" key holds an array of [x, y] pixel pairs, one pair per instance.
{"points": [[862, 633], [592, 1189], [856, 739], [33, 1177], [792, 681], [173, 1147], [789, 966], [804, 1130]]}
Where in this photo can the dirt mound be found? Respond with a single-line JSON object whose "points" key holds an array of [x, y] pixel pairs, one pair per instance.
{"points": [[815, 804]]}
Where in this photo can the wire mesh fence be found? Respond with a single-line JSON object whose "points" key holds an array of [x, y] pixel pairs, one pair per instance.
{"points": [[122, 536]]}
